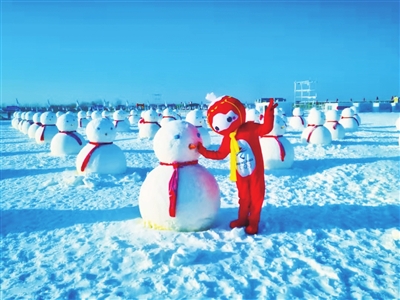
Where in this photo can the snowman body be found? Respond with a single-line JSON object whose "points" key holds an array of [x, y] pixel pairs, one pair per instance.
{"points": [[67, 141], [277, 151], [195, 117], [297, 122], [348, 121], [332, 123], [101, 155], [36, 124], [179, 194], [120, 121], [148, 125], [315, 132], [45, 133]]}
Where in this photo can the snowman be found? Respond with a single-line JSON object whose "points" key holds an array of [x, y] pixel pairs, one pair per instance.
{"points": [[105, 114], [67, 141], [120, 122], [168, 115], [48, 129], [133, 117], [21, 121], [28, 122], [349, 122], [280, 112], [333, 125], [148, 125], [179, 194], [277, 151], [16, 119], [89, 115], [36, 124], [297, 122], [82, 120], [253, 115], [355, 114], [101, 155], [315, 132], [195, 117]]}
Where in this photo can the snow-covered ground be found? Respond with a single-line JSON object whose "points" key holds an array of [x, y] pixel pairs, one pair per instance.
{"points": [[330, 226]]}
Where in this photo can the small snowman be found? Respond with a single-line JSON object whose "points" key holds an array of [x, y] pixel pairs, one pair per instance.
{"points": [[253, 115], [316, 133], [48, 129], [195, 117], [133, 117], [82, 120], [332, 123], [277, 151], [355, 114], [28, 122], [120, 122], [36, 124], [89, 115], [96, 114], [168, 115], [67, 141], [148, 125], [297, 122], [21, 121], [280, 112], [16, 120], [179, 194], [349, 122], [101, 155], [105, 114]]}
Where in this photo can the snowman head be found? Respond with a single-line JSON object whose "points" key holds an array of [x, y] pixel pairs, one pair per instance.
{"points": [[332, 115], [119, 115], [150, 115], [279, 126], [195, 117], [48, 118], [100, 131], [105, 114], [316, 117], [177, 141], [347, 112], [297, 112], [225, 115], [29, 115], [96, 114], [36, 117], [67, 122], [81, 114], [133, 112]]}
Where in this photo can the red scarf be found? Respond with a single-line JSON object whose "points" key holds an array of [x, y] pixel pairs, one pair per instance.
{"points": [[142, 121], [116, 122], [169, 117], [334, 125], [87, 158], [173, 183], [312, 130], [43, 128], [351, 118], [73, 135]]}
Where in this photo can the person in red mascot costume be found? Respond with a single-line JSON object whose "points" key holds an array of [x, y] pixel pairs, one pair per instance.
{"points": [[227, 116]]}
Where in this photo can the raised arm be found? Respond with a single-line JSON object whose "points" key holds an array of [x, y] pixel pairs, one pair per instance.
{"points": [[219, 154], [268, 124]]}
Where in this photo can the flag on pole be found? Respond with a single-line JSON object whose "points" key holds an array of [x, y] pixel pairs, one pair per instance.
{"points": [[16, 99], [77, 104], [126, 103], [48, 103]]}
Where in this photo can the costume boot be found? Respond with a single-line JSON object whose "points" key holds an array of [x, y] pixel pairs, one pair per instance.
{"points": [[242, 217]]}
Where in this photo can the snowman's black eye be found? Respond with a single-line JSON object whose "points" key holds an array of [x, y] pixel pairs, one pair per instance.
{"points": [[177, 136], [198, 134], [216, 128], [98, 128], [111, 128]]}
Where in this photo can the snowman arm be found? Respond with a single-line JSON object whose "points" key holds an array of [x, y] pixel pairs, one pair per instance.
{"points": [[219, 154], [268, 123]]}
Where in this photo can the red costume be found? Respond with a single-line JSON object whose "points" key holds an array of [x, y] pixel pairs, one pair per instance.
{"points": [[227, 117]]}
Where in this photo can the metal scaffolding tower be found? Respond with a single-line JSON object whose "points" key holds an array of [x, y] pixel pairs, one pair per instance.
{"points": [[305, 91]]}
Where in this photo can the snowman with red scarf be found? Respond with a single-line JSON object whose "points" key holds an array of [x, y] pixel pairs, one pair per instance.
{"points": [[227, 116], [179, 194], [101, 155]]}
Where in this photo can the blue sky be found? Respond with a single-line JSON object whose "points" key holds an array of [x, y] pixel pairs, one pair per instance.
{"points": [[130, 50]]}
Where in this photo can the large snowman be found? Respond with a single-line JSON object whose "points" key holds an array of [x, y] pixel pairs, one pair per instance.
{"points": [[100, 155], [67, 141], [48, 129], [332, 123], [148, 125], [179, 194], [196, 118], [277, 151], [347, 119], [315, 132]]}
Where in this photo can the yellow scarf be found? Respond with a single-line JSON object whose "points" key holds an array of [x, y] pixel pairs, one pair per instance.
{"points": [[234, 146]]}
